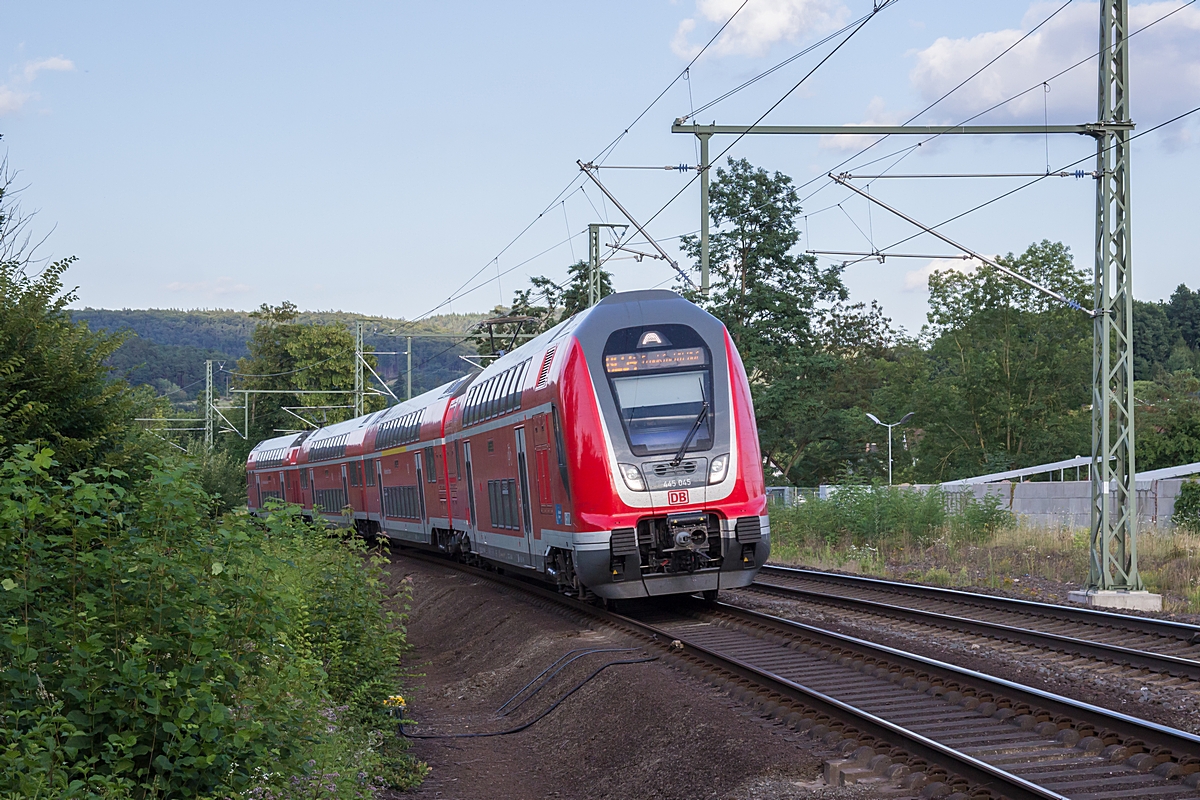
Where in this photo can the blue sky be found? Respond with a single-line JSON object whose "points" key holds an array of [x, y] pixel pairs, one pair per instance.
{"points": [[374, 157]]}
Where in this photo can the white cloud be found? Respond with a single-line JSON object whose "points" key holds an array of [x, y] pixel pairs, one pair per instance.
{"points": [[1164, 66], [877, 114], [761, 24], [11, 100], [14, 94], [52, 64], [221, 287], [917, 280]]}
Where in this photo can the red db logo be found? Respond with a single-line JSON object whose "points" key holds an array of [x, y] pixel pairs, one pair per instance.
{"points": [[678, 497]]}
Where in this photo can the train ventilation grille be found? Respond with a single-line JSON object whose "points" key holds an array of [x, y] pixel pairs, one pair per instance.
{"points": [[544, 372], [683, 468]]}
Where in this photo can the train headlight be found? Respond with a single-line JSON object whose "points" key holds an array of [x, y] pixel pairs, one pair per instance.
{"points": [[633, 477], [718, 468]]}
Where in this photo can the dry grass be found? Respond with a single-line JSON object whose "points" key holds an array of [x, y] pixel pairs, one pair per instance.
{"points": [[1034, 561]]}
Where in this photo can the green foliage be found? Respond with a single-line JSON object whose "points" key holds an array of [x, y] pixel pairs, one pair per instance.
{"points": [[222, 475], [54, 385], [149, 651], [546, 302], [1167, 419], [287, 355], [809, 355], [1008, 369], [1183, 309], [1187, 507], [872, 516], [166, 348]]}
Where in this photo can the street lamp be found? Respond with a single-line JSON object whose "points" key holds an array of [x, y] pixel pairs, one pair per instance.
{"points": [[903, 420]]}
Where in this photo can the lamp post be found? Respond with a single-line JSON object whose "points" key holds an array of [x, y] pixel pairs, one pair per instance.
{"points": [[903, 420]]}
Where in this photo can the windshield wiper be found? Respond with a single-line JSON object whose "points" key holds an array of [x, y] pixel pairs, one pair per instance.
{"points": [[691, 434]]}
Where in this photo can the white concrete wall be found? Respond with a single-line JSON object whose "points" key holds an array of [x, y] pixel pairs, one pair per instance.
{"points": [[1068, 503]]}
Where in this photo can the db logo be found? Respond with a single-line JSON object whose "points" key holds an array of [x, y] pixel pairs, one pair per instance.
{"points": [[678, 497]]}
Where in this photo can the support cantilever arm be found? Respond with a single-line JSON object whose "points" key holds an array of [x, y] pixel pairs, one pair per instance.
{"points": [[588, 169], [382, 383], [1059, 296]]}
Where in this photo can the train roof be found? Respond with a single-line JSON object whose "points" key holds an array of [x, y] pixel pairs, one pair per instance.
{"points": [[285, 441]]}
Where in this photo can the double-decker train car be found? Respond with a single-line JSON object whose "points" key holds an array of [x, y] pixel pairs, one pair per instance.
{"points": [[614, 455]]}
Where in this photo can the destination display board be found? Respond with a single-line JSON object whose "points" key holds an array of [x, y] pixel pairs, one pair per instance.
{"points": [[656, 359]]}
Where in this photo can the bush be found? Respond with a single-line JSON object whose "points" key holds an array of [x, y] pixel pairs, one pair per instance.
{"points": [[878, 515], [222, 475], [1187, 507], [149, 651]]}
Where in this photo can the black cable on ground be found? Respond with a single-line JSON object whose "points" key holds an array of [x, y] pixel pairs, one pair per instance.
{"points": [[536, 719], [581, 652]]}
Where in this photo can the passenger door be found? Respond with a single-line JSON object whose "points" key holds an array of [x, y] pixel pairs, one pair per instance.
{"points": [[526, 512], [473, 524], [421, 486]]}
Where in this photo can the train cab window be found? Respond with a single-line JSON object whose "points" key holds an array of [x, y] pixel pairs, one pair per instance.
{"points": [[661, 380]]}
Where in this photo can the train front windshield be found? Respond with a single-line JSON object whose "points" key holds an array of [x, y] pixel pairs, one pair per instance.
{"points": [[663, 391]]}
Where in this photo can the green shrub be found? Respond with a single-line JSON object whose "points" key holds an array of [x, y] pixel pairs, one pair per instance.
{"points": [[149, 651], [222, 475], [883, 515], [1187, 507]]}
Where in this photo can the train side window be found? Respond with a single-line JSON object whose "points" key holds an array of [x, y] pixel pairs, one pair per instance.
{"points": [[521, 370], [506, 392], [303, 479], [353, 473], [457, 460], [489, 395], [430, 468], [369, 470], [561, 452]]}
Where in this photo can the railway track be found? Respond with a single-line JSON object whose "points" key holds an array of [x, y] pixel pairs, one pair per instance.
{"points": [[1140, 643], [910, 724]]}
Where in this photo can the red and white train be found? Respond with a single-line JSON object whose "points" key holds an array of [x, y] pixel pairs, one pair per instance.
{"points": [[616, 454]]}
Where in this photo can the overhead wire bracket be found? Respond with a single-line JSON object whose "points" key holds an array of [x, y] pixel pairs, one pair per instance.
{"points": [[844, 180], [590, 171]]}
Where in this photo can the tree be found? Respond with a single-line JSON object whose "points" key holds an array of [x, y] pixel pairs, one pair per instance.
{"points": [[55, 387], [1009, 368], [547, 302], [286, 356], [1167, 416], [1153, 339], [807, 351], [1183, 309]]}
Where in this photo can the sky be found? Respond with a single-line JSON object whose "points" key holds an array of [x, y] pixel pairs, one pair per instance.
{"points": [[403, 159]]}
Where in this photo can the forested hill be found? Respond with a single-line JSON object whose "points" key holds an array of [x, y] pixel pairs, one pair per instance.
{"points": [[168, 347]]}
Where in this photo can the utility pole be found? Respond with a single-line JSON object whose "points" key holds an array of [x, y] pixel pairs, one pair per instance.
{"points": [[594, 259], [408, 352], [1113, 542], [208, 405], [704, 167], [358, 368], [1113, 569]]}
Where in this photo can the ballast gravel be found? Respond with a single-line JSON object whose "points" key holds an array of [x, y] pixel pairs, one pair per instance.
{"points": [[634, 731]]}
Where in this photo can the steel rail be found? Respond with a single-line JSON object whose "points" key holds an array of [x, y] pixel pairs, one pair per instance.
{"points": [[1140, 659], [961, 765], [1178, 742], [1147, 625]]}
